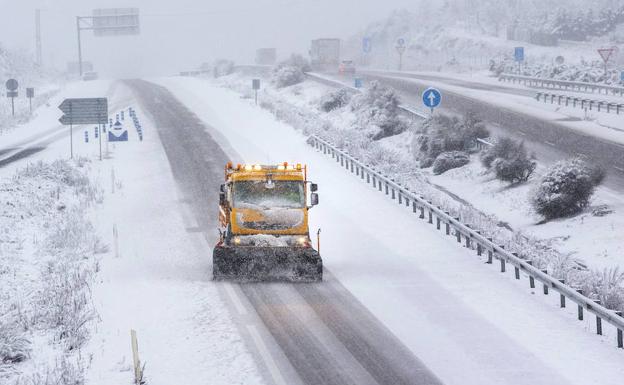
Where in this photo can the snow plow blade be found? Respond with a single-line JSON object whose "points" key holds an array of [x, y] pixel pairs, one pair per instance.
{"points": [[259, 264]]}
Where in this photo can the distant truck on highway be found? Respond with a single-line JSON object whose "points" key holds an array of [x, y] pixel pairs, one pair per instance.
{"points": [[266, 56], [325, 54]]}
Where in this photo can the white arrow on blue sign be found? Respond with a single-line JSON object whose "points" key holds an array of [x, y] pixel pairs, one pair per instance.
{"points": [[431, 98]]}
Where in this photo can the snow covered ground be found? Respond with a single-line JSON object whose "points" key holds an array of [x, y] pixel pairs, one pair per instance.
{"points": [[459, 316], [152, 276]]}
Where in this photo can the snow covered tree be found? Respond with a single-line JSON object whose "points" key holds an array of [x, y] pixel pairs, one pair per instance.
{"points": [[566, 188]]}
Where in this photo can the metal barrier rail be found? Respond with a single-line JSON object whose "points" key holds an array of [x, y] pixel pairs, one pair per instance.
{"points": [[583, 103], [562, 84], [473, 238]]}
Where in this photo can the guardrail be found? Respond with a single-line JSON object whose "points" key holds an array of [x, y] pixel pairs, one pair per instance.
{"points": [[575, 101], [473, 238], [562, 84]]}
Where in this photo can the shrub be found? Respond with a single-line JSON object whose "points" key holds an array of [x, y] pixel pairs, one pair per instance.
{"points": [[503, 148], [377, 111], [509, 161], [449, 160], [14, 347], [514, 170], [297, 61], [566, 188], [287, 76], [442, 133], [223, 67], [335, 99]]}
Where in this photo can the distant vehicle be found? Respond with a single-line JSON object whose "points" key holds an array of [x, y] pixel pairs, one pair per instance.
{"points": [[89, 76], [325, 54], [346, 67]]}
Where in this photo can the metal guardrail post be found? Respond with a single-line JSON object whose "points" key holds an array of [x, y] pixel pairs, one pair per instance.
{"points": [[580, 307], [545, 285], [493, 250], [531, 278]]}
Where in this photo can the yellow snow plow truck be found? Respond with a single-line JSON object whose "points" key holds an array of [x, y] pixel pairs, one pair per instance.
{"points": [[264, 234]]}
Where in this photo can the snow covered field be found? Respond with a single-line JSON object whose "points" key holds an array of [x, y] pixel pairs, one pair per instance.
{"points": [[403, 271]]}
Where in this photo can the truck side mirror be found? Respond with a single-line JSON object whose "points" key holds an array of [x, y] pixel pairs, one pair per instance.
{"points": [[222, 199], [314, 200], [222, 188], [313, 187]]}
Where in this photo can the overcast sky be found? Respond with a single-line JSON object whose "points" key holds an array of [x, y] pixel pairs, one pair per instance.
{"points": [[180, 34]]}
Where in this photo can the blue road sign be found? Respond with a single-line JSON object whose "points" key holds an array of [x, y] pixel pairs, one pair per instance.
{"points": [[431, 98], [366, 45], [358, 83], [118, 133], [401, 42], [622, 76], [519, 54]]}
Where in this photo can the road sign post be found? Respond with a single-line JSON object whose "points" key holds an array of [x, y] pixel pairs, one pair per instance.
{"points": [[400, 47], [11, 86], [255, 84], [605, 54], [83, 111], [107, 22], [431, 98], [30, 93], [519, 57]]}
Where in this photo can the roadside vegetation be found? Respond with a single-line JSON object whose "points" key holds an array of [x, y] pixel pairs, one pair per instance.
{"points": [[447, 141], [47, 266], [290, 71], [509, 161], [566, 188]]}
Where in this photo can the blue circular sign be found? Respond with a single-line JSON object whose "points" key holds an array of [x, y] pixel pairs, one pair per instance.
{"points": [[401, 42], [431, 98]]}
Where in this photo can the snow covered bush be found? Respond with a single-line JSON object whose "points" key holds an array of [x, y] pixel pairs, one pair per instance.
{"points": [[566, 188], [222, 67], [607, 286], [335, 99], [515, 170], [290, 71], [377, 111], [287, 76], [443, 133], [14, 346], [509, 161], [450, 160]]}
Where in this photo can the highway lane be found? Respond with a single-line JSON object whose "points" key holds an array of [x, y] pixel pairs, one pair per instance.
{"points": [[326, 334], [455, 82], [549, 141]]}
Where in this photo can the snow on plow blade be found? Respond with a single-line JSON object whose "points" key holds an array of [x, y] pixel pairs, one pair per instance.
{"points": [[253, 264]]}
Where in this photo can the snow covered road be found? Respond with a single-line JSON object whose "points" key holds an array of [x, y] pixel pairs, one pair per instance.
{"points": [[326, 335], [464, 322]]}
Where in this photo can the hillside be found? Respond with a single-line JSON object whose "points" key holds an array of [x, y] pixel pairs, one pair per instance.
{"points": [[463, 34]]}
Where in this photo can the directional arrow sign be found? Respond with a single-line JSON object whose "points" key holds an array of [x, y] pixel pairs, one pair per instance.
{"points": [[431, 98], [84, 111]]}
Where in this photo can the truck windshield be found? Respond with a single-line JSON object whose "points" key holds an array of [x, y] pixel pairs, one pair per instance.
{"points": [[262, 195]]}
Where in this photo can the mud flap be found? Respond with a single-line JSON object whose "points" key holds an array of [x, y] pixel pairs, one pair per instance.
{"points": [[254, 264]]}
